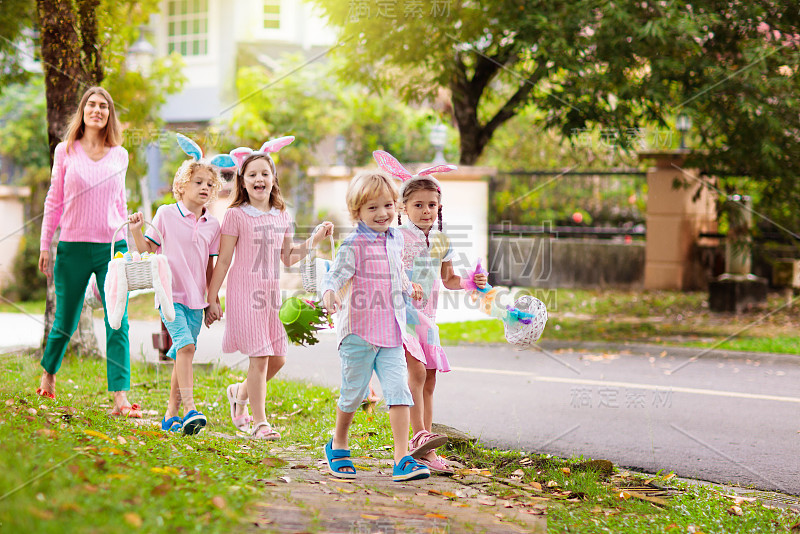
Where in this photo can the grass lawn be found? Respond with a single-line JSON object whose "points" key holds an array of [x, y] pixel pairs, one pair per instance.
{"points": [[667, 317], [69, 467]]}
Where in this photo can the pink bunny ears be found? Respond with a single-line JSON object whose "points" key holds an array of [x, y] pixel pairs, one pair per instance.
{"points": [[389, 163], [240, 154]]}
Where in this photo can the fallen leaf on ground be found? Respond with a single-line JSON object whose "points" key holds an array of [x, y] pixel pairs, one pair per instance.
{"points": [[218, 502], [525, 461], [565, 470], [552, 484], [271, 461], [166, 470], [161, 489], [435, 516], [669, 476], [735, 510], [536, 486], [95, 433], [285, 479], [738, 499], [133, 519], [486, 501], [518, 473], [370, 517]]}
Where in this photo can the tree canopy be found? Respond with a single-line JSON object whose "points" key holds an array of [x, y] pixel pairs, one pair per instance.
{"points": [[730, 65]]}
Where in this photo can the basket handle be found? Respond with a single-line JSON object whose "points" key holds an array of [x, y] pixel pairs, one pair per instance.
{"points": [[333, 248], [126, 223]]}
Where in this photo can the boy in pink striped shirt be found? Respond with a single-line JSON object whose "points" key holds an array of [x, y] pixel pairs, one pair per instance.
{"points": [[365, 288]]}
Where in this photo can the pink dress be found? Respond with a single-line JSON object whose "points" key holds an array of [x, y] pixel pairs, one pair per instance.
{"points": [[253, 296], [422, 262]]}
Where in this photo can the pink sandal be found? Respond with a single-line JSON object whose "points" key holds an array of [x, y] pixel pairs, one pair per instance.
{"points": [[424, 441], [241, 422], [437, 465], [269, 435]]}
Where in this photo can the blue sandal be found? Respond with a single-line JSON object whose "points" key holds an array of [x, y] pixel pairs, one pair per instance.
{"points": [[409, 469], [339, 459]]}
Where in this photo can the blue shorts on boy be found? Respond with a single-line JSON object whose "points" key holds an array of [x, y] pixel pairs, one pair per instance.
{"points": [[184, 329], [359, 358]]}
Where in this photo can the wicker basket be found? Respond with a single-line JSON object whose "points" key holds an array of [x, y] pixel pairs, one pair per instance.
{"points": [[138, 273], [312, 266], [524, 335]]}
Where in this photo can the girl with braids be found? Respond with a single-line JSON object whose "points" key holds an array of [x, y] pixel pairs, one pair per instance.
{"points": [[427, 259]]}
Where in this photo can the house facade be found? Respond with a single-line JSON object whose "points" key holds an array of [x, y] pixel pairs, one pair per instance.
{"points": [[217, 37]]}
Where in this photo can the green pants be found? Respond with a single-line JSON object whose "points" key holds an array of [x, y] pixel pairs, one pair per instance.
{"points": [[75, 263]]}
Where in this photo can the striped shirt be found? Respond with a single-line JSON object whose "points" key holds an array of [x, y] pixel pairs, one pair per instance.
{"points": [[368, 278], [86, 197]]}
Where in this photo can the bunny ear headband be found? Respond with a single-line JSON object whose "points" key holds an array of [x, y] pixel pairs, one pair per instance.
{"points": [[388, 163], [192, 149], [238, 155]]}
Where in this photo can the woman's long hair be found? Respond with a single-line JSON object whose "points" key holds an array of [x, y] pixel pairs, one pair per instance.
{"points": [[111, 134]]}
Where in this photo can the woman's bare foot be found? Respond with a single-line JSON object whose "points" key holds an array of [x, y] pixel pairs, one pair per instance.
{"points": [[47, 385], [123, 407]]}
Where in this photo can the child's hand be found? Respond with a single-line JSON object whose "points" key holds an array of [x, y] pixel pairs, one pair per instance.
{"points": [[136, 221], [480, 280], [416, 291], [331, 302], [325, 229], [213, 313]]}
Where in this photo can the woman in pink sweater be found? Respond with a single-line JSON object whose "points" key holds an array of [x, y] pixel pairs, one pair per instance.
{"points": [[87, 199]]}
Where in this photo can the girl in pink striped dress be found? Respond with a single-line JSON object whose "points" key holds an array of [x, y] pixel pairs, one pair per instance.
{"points": [[260, 230]]}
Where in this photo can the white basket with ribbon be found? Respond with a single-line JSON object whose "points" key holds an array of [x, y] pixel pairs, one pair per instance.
{"points": [[524, 331], [313, 268]]}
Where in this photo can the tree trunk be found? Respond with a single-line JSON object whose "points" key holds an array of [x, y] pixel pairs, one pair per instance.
{"points": [[66, 78]]}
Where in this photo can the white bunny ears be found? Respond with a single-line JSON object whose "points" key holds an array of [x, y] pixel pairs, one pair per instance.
{"points": [[389, 163], [192, 149], [238, 155]]}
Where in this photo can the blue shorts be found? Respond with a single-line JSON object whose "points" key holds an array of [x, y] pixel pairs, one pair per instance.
{"points": [[359, 358], [184, 329]]}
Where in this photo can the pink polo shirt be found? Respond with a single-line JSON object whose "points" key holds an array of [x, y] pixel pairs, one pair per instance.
{"points": [[188, 244]]}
